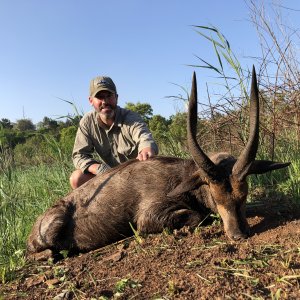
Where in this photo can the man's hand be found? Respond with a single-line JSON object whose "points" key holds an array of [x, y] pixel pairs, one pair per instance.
{"points": [[98, 168], [93, 169], [145, 153]]}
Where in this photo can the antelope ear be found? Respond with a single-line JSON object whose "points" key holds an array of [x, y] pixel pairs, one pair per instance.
{"points": [[192, 183], [264, 166]]}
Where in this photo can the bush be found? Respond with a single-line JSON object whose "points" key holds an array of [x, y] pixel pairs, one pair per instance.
{"points": [[67, 137]]}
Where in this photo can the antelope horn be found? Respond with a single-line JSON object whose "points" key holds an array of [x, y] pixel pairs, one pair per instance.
{"points": [[201, 159], [243, 164]]}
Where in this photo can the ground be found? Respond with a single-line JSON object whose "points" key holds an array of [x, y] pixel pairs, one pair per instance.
{"points": [[202, 264]]}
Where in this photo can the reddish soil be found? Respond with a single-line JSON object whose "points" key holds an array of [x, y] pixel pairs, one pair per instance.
{"points": [[180, 265]]}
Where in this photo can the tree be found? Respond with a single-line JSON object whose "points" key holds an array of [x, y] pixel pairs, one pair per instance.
{"points": [[24, 125], [178, 127], [5, 123], [47, 123], [158, 125], [10, 138], [143, 109]]}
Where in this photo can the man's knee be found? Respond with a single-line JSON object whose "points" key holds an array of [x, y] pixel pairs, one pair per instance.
{"points": [[75, 179]]}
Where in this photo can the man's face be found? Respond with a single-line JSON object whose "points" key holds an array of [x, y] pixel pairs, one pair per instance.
{"points": [[105, 103]]}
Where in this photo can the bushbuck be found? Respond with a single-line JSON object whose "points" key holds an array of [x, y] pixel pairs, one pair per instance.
{"points": [[162, 192]]}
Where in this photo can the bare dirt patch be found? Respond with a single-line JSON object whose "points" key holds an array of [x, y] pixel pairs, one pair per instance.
{"points": [[180, 265]]}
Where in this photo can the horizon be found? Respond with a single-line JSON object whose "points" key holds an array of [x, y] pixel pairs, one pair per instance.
{"points": [[52, 50]]}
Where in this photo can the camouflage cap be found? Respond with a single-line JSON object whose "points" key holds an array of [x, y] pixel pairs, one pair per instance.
{"points": [[102, 83]]}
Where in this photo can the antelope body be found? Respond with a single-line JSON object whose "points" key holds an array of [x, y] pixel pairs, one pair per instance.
{"points": [[162, 192]]}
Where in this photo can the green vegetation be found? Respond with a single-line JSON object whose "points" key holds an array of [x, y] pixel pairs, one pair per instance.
{"points": [[25, 192], [34, 173], [35, 160]]}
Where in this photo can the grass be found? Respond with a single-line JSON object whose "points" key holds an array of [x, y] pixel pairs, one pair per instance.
{"points": [[24, 194], [211, 264], [284, 182], [27, 192]]}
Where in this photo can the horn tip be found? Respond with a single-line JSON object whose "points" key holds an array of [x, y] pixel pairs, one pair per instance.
{"points": [[253, 71]]}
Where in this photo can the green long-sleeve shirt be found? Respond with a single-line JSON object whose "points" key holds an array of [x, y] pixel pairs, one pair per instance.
{"points": [[122, 141]]}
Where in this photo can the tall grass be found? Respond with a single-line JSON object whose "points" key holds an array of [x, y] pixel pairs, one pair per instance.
{"points": [[276, 143], [27, 192], [24, 194], [288, 181], [284, 182]]}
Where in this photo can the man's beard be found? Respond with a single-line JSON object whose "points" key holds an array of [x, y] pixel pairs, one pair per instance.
{"points": [[107, 114]]}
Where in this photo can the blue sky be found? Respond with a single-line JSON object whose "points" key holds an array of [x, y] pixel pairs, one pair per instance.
{"points": [[52, 49]]}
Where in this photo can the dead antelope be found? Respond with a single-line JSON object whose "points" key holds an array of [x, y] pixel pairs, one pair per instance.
{"points": [[163, 192]]}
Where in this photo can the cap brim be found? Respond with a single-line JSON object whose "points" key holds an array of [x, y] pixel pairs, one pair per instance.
{"points": [[102, 89]]}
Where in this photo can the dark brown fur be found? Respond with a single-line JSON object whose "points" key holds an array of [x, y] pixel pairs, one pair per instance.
{"points": [[162, 192], [100, 211]]}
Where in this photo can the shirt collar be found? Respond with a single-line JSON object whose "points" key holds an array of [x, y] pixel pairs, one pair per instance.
{"points": [[118, 119]]}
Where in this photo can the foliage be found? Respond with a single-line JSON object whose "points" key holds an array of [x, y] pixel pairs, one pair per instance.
{"points": [[29, 154], [67, 137], [143, 109], [47, 123], [9, 138], [231, 79], [178, 128], [35, 163], [24, 194], [158, 126], [24, 125], [5, 123]]}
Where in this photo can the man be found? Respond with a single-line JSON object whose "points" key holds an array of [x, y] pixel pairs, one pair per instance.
{"points": [[114, 133]]}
